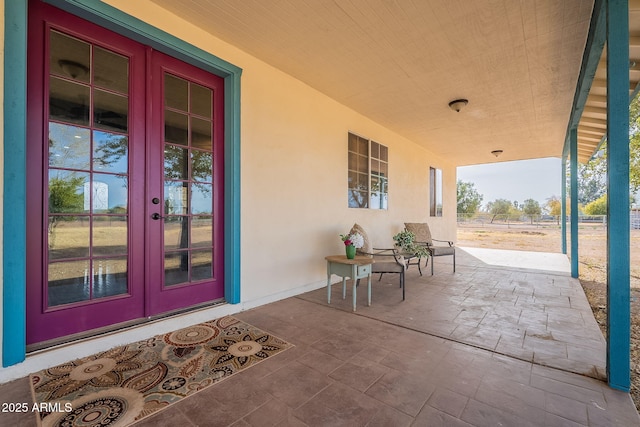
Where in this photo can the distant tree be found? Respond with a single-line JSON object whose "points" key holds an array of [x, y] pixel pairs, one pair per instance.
{"points": [[64, 197], [499, 207], [592, 175], [597, 207], [531, 207], [469, 200], [554, 207], [634, 146]]}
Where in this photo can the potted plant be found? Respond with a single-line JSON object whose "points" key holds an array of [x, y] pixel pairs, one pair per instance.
{"points": [[405, 240]]}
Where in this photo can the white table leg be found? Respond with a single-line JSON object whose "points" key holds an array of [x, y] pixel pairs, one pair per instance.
{"points": [[328, 282], [369, 289], [354, 274]]}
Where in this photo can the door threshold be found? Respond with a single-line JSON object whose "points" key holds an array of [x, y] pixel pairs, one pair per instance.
{"points": [[113, 329]]}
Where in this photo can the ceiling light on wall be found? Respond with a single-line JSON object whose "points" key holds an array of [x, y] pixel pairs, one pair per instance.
{"points": [[73, 69], [457, 104], [496, 152]]}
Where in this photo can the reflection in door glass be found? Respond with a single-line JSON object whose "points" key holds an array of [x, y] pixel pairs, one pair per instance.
{"points": [[201, 262], [176, 268], [69, 146], [68, 101], [68, 282], [188, 187], [109, 277], [69, 237], [110, 152], [88, 158]]}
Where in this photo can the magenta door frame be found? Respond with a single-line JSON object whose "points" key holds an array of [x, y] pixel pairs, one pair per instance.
{"points": [[146, 296], [160, 298]]}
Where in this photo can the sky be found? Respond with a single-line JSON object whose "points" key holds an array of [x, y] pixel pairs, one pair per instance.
{"points": [[537, 179]]}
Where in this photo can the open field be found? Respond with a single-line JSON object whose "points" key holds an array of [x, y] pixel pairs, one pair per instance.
{"points": [[592, 255], [592, 250]]}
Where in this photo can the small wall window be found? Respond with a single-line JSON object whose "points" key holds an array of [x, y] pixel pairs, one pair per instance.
{"points": [[435, 183], [368, 173]]}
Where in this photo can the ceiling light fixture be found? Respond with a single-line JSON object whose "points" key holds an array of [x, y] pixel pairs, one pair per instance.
{"points": [[457, 104], [496, 152]]}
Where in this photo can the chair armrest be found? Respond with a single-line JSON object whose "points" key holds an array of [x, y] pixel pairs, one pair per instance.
{"points": [[388, 253], [444, 241]]}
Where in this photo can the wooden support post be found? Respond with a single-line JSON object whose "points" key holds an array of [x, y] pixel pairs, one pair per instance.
{"points": [[618, 277]]}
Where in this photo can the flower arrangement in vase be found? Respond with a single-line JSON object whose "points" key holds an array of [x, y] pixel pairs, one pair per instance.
{"points": [[352, 242]]}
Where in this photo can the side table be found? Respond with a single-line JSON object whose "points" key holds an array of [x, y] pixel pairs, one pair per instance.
{"points": [[357, 268]]}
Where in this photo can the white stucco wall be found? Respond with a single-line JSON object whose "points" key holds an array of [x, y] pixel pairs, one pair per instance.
{"points": [[293, 184], [294, 170]]}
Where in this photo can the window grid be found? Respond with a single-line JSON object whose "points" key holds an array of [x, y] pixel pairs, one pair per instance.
{"points": [[368, 171], [435, 197]]}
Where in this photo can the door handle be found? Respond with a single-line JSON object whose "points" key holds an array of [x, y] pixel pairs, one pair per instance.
{"points": [[156, 216]]}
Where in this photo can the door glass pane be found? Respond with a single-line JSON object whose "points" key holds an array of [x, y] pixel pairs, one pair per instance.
{"points": [[68, 236], [176, 232], [201, 231], [68, 282], [68, 101], [176, 268], [175, 197], [201, 134], [110, 152], [109, 277], [201, 264], [176, 162], [111, 70], [109, 193], [67, 191], [201, 202], [69, 146], [188, 189], [109, 235], [110, 111], [69, 57], [88, 189], [176, 92], [201, 165], [200, 100], [176, 128]]}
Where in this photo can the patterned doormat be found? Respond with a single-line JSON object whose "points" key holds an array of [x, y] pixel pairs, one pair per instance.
{"points": [[125, 384]]}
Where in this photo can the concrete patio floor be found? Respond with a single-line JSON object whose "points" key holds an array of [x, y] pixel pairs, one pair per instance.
{"points": [[489, 345]]}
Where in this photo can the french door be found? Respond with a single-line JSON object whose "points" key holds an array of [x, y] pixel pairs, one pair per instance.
{"points": [[125, 179]]}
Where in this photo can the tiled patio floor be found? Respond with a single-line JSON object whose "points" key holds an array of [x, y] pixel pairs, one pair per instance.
{"points": [[474, 348]]}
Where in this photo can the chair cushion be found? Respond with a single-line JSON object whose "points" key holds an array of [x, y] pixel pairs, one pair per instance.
{"points": [[366, 248], [386, 267], [442, 250], [420, 230]]}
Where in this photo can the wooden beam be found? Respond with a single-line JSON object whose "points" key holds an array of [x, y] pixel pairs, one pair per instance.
{"points": [[634, 41], [588, 138], [595, 110], [591, 129], [597, 98], [592, 121], [592, 53]]}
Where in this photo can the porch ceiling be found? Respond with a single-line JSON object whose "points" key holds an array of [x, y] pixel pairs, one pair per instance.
{"points": [[401, 62], [592, 126]]}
